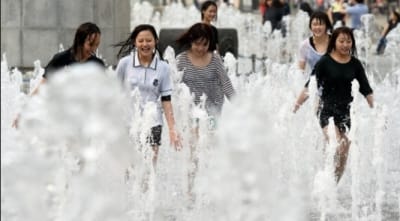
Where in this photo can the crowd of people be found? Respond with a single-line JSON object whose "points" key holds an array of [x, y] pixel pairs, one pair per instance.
{"points": [[141, 68], [340, 12], [328, 56]]}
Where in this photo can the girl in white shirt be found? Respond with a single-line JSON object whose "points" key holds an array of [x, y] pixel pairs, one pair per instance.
{"points": [[312, 49], [142, 68]]}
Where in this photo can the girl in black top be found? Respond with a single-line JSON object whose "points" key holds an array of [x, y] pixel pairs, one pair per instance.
{"points": [[83, 49], [209, 11], [335, 72]]}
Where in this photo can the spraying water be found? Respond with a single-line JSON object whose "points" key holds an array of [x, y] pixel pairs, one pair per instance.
{"points": [[80, 152]]}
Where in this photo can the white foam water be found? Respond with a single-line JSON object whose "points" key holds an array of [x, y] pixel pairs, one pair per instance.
{"points": [[80, 152]]}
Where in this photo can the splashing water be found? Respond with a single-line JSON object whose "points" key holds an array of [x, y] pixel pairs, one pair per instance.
{"points": [[80, 152]]}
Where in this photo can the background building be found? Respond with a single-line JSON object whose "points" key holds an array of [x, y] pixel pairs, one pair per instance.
{"points": [[34, 29]]}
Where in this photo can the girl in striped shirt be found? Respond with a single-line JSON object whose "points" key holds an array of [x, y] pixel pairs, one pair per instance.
{"points": [[204, 74]]}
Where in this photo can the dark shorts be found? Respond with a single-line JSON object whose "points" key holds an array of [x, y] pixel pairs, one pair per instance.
{"points": [[340, 114], [155, 136]]}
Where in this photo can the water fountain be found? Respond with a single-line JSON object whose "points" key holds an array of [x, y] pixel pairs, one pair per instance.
{"points": [[78, 154]]}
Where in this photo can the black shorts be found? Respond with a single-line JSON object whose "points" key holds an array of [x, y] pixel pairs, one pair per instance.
{"points": [[155, 136], [340, 114]]}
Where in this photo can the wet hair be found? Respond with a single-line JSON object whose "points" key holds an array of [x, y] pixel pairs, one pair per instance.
{"points": [[196, 32], [323, 18], [305, 6], [82, 33], [205, 6], [129, 44], [346, 31]]}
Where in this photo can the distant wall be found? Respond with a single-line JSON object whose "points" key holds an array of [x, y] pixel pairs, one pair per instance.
{"points": [[34, 29]]}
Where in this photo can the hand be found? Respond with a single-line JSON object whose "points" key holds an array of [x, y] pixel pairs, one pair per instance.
{"points": [[15, 122], [175, 140], [296, 107], [370, 100]]}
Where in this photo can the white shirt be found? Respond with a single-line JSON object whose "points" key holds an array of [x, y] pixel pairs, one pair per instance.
{"points": [[152, 82], [309, 55]]}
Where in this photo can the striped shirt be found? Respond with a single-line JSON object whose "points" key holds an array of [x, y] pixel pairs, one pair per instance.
{"points": [[211, 80]]}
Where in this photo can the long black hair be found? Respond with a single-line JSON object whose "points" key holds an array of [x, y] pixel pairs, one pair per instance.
{"points": [[195, 32], [129, 44], [346, 31], [82, 33]]}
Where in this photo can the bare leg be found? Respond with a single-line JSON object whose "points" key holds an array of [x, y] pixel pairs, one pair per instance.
{"points": [[193, 163], [147, 172], [155, 156], [341, 154], [325, 132]]}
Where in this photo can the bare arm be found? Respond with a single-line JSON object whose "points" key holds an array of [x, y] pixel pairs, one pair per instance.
{"points": [[33, 92], [370, 100], [169, 116], [329, 13], [303, 96], [302, 65], [385, 29], [36, 89]]}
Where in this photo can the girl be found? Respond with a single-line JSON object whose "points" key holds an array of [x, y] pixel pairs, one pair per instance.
{"points": [[335, 72], [83, 49], [203, 73], [142, 68], [312, 49], [209, 11]]}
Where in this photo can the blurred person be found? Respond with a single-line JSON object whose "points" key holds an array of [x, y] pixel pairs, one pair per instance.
{"points": [[274, 14], [286, 7], [335, 13], [83, 50], [394, 19], [355, 10], [262, 7], [320, 5]]}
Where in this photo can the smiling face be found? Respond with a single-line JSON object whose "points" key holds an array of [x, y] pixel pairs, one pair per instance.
{"points": [[343, 44], [90, 46], [209, 14], [318, 27], [145, 44], [199, 47]]}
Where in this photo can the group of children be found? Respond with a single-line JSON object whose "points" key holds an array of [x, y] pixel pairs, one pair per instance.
{"points": [[141, 67], [328, 55]]}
